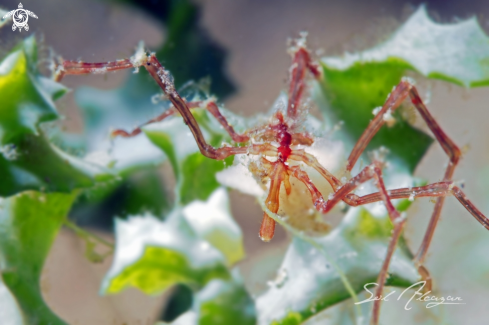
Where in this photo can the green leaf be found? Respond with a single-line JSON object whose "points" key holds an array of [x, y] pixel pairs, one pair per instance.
{"points": [[28, 160], [352, 94], [152, 255], [27, 97], [458, 52], [212, 221], [29, 223], [224, 302], [355, 84], [308, 280], [31, 162], [136, 192], [194, 172], [220, 302]]}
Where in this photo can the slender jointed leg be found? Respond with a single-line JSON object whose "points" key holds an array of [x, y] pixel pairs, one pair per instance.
{"points": [[301, 63], [398, 223], [401, 92], [440, 189], [163, 79], [369, 172], [310, 160], [278, 174], [209, 105]]}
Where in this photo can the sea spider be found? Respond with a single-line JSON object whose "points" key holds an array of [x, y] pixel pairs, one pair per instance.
{"points": [[279, 163]]}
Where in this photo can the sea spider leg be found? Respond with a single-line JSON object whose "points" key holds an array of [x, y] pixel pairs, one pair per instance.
{"points": [[369, 172], [164, 80], [209, 105], [440, 189], [398, 223], [214, 110], [401, 91], [122, 133], [316, 196], [301, 63], [310, 160], [278, 174]]}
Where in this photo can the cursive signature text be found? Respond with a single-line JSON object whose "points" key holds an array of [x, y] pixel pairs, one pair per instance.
{"points": [[430, 300]]}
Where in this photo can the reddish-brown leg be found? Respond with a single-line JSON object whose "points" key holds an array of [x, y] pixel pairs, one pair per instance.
{"points": [[453, 153], [398, 223], [122, 133], [278, 174], [393, 101], [163, 79], [210, 106], [316, 196], [300, 64], [440, 189], [403, 90], [369, 172], [310, 160]]}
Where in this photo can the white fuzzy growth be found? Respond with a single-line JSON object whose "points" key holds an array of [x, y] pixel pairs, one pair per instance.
{"points": [[208, 101], [99, 70], [408, 80], [139, 58], [388, 118], [156, 98], [280, 280], [298, 43], [376, 110], [167, 80], [402, 217]]}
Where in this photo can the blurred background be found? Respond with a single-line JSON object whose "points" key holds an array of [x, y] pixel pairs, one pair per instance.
{"points": [[248, 45]]}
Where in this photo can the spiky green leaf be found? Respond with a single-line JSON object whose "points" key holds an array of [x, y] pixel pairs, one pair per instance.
{"points": [[29, 223]]}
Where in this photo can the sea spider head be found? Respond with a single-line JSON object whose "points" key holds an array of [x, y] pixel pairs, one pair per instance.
{"points": [[282, 135]]}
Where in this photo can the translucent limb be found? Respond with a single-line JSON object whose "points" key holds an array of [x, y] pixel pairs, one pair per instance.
{"points": [[138, 130], [316, 196], [310, 160], [277, 176]]}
